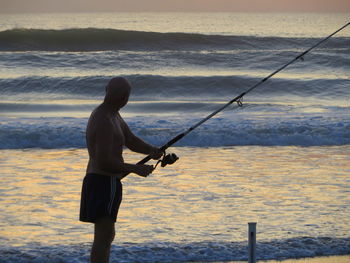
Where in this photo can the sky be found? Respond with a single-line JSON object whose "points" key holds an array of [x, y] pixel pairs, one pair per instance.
{"points": [[38, 6]]}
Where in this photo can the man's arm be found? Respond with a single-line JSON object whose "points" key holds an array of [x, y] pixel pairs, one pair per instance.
{"points": [[105, 154], [136, 144]]}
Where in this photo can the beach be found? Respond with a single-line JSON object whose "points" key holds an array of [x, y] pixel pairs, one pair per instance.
{"points": [[282, 160]]}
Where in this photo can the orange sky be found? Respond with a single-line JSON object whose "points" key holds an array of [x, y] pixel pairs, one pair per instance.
{"points": [[13, 6]]}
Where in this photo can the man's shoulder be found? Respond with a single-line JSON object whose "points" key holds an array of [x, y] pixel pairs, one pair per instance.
{"points": [[100, 117]]}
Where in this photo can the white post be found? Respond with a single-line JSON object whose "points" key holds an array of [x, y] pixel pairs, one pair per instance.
{"points": [[251, 242]]}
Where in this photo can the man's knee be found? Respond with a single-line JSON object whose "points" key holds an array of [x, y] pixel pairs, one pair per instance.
{"points": [[104, 237], [104, 230], [112, 235]]}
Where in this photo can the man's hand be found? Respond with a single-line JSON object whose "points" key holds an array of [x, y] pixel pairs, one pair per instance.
{"points": [[156, 153], [143, 170]]}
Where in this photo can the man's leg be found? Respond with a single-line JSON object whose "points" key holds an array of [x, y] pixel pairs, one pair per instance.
{"points": [[104, 235]]}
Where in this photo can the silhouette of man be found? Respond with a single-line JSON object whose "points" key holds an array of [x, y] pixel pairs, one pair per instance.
{"points": [[106, 135]]}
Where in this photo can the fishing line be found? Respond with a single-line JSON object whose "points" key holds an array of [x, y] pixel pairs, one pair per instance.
{"points": [[238, 100]]}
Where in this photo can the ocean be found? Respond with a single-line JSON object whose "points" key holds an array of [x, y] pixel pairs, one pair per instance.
{"points": [[282, 160]]}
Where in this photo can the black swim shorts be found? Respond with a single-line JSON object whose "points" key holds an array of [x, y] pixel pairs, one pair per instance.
{"points": [[101, 196]]}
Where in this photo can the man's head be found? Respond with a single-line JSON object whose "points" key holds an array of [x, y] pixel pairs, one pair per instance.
{"points": [[117, 92]]}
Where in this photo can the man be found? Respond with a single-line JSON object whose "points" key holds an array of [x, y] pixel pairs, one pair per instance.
{"points": [[106, 134]]}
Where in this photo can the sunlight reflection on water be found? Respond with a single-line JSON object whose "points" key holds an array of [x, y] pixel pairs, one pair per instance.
{"points": [[209, 194]]}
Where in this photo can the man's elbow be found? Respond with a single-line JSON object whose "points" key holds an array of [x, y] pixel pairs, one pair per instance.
{"points": [[131, 143]]}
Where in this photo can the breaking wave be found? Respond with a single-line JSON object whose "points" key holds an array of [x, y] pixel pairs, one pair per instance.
{"points": [[227, 130], [93, 39]]}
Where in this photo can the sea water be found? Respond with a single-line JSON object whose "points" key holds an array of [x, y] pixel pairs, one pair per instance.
{"points": [[281, 160]]}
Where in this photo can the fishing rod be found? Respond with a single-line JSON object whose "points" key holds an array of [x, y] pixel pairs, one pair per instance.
{"points": [[171, 158]]}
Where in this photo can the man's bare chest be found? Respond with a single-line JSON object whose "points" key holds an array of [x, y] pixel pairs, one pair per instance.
{"points": [[118, 133]]}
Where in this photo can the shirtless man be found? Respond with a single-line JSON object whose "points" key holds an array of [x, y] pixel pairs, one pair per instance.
{"points": [[106, 134]]}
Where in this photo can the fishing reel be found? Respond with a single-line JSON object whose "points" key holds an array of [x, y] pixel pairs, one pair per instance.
{"points": [[167, 159]]}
